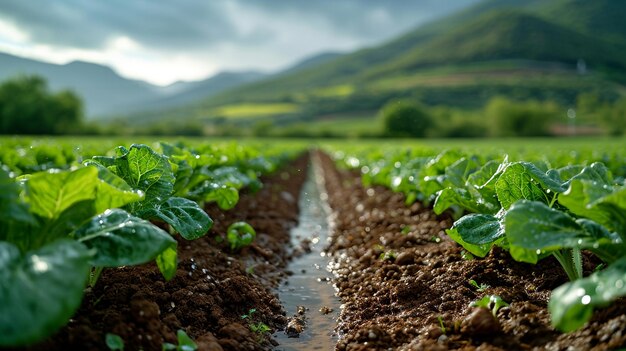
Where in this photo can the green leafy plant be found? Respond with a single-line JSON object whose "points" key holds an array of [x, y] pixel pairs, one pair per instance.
{"points": [[59, 227], [491, 302], [240, 235], [149, 173], [185, 343]]}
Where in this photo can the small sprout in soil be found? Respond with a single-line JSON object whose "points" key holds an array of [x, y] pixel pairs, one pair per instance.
{"points": [[388, 255], [491, 302], [406, 230], [259, 328], [250, 270], [442, 325], [435, 239], [184, 343], [240, 235], [466, 255], [114, 342], [479, 287], [249, 314]]}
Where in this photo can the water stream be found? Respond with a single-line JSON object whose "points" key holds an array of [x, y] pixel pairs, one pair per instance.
{"points": [[311, 284]]}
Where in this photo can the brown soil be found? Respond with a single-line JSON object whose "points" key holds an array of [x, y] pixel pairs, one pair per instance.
{"points": [[212, 288], [395, 287]]}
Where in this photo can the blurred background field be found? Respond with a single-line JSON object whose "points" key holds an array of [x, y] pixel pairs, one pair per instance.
{"points": [[472, 69]]}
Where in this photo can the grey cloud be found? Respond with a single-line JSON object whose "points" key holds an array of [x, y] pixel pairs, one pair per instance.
{"points": [[196, 24]]}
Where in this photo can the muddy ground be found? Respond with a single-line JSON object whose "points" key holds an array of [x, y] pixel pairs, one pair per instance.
{"points": [[398, 275], [213, 287]]}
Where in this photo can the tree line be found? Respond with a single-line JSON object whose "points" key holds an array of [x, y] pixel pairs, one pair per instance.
{"points": [[27, 106]]}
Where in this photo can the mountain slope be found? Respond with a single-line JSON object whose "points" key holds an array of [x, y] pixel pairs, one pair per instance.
{"points": [[105, 93], [508, 34], [102, 89], [190, 92], [555, 31]]}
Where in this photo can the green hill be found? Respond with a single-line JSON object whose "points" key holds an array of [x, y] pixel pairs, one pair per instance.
{"points": [[543, 49]]}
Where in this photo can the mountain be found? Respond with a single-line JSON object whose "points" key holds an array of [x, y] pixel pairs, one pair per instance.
{"points": [[523, 48], [102, 90], [181, 93], [106, 93]]}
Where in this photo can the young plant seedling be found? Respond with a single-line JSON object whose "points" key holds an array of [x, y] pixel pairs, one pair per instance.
{"points": [[479, 287], [114, 342], [184, 343], [240, 235], [442, 325], [249, 314], [388, 255], [490, 302], [258, 328]]}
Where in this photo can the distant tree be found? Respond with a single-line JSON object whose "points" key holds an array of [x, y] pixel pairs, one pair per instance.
{"points": [[610, 115], [614, 118], [405, 119], [511, 118], [28, 107]]}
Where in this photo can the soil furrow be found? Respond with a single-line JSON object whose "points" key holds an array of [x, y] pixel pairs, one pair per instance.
{"points": [[213, 287], [405, 285]]}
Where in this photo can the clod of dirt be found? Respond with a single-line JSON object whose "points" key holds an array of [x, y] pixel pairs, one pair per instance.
{"points": [[296, 324], [480, 322], [236, 331], [405, 258], [326, 310], [208, 342]]}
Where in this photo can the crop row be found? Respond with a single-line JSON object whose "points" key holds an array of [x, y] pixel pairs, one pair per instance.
{"points": [[67, 215], [548, 207]]}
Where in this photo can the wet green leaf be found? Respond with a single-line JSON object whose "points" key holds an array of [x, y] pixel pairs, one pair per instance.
{"points": [[479, 229], [167, 262], [49, 194], [226, 197], [600, 202], [571, 305], [112, 191], [10, 205], [184, 215], [239, 235], [122, 240], [477, 250], [143, 169], [523, 180], [535, 226], [40, 290]]}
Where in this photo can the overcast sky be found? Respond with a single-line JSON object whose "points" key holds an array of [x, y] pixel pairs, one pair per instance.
{"points": [[165, 41]]}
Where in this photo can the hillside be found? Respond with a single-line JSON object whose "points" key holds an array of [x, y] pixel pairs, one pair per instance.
{"points": [[102, 89], [521, 48], [105, 93]]}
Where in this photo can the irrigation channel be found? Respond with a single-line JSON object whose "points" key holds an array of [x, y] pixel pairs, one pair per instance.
{"points": [[308, 294]]}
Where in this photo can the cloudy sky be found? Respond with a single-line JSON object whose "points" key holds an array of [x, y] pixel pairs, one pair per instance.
{"points": [[165, 41]]}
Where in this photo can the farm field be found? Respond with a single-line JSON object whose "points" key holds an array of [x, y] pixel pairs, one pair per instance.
{"points": [[433, 245]]}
